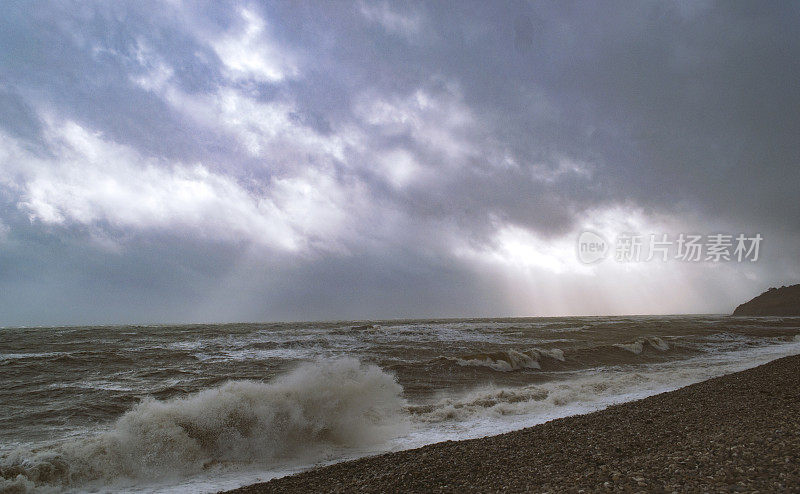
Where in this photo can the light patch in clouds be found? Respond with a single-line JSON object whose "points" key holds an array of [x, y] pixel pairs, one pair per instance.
{"points": [[406, 25], [93, 181], [564, 166], [545, 277], [517, 248], [523, 251], [248, 52], [441, 123], [400, 168]]}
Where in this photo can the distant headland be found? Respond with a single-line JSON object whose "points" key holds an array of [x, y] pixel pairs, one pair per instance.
{"points": [[783, 301]]}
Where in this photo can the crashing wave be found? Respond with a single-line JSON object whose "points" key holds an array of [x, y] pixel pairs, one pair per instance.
{"points": [[300, 415]]}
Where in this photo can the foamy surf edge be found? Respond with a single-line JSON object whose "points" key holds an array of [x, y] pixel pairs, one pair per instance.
{"points": [[488, 410]]}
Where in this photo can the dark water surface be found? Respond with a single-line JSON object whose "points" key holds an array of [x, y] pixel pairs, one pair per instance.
{"points": [[126, 406]]}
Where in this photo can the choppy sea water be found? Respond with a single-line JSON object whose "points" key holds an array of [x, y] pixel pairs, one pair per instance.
{"points": [[210, 407]]}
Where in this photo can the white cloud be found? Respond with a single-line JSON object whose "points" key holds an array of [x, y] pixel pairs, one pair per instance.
{"points": [[158, 73], [92, 181], [249, 53], [263, 129], [440, 123]]}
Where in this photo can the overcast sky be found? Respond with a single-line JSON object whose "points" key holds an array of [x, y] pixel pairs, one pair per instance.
{"points": [[247, 161]]}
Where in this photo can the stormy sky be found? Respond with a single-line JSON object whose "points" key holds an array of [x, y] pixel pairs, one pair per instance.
{"points": [[250, 161]]}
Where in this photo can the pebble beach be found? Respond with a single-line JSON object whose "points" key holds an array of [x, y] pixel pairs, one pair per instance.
{"points": [[735, 433]]}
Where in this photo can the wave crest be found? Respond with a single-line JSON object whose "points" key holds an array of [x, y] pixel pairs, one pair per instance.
{"points": [[300, 415], [638, 346], [511, 360]]}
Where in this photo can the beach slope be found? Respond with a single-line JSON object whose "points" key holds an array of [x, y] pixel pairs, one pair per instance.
{"points": [[736, 433]]}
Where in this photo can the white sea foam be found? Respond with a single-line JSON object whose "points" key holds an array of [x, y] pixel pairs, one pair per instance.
{"points": [[21, 356], [105, 385], [493, 410], [302, 415]]}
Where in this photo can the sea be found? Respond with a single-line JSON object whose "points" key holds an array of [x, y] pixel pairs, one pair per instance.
{"points": [[209, 407]]}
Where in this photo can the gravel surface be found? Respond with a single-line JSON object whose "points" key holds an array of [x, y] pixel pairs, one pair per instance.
{"points": [[736, 433]]}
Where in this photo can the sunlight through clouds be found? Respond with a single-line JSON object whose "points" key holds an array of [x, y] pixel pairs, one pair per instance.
{"points": [[456, 151]]}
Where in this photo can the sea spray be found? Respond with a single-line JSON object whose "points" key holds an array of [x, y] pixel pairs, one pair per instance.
{"points": [[300, 415]]}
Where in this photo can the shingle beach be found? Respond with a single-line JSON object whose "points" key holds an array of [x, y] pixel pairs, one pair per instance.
{"points": [[735, 433]]}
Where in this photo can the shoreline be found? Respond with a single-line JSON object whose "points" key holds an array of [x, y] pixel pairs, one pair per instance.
{"points": [[735, 433]]}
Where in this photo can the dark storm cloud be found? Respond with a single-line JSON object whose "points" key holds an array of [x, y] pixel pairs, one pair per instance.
{"points": [[335, 159], [678, 104]]}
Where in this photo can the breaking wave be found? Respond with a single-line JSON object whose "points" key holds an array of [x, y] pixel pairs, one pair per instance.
{"points": [[514, 360], [584, 392], [301, 415], [491, 401], [638, 346], [510, 360]]}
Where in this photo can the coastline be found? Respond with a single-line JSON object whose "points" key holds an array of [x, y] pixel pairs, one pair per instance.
{"points": [[735, 433]]}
